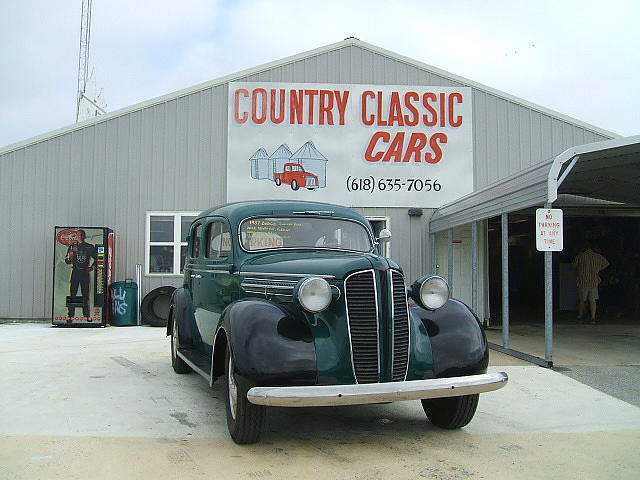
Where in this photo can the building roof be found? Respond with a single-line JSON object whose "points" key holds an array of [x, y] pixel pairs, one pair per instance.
{"points": [[294, 58], [607, 170]]}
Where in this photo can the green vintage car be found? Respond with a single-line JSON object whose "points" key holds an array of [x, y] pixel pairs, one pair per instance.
{"points": [[290, 304]]}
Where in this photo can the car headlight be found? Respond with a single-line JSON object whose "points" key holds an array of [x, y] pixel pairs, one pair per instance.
{"points": [[314, 294], [432, 292]]}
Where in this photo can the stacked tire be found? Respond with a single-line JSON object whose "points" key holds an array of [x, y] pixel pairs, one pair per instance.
{"points": [[154, 309]]}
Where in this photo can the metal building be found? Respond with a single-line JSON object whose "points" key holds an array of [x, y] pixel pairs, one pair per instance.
{"points": [[146, 170]]}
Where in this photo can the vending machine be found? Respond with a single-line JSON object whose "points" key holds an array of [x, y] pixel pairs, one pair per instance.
{"points": [[82, 272]]}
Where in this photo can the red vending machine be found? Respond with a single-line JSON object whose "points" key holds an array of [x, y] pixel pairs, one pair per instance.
{"points": [[82, 272]]}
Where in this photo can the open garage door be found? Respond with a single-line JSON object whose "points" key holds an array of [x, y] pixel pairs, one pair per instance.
{"points": [[603, 176]]}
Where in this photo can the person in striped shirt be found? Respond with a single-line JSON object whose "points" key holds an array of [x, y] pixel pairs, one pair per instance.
{"points": [[588, 264]]}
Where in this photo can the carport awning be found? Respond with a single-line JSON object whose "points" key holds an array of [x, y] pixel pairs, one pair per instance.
{"points": [[608, 170]]}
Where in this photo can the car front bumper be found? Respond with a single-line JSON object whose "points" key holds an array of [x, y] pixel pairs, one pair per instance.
{"points": [[334, 395]]}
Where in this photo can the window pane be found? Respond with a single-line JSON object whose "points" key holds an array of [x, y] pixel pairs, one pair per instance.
{"points": [[161, 229], [288, 232], [213, 240], [195, 241], [186, 223], [183, 254], [160, 259], [218, 240], [225, 238]]}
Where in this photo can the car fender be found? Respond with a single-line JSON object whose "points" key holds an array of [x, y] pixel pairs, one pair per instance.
{"points": [[458, 343], [272, 344], [181, 311]]}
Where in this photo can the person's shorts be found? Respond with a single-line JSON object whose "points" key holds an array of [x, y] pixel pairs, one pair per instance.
{"points": [[590, 293]]}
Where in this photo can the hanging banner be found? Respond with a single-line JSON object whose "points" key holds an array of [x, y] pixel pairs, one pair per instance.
{"points": [[357, 145]]}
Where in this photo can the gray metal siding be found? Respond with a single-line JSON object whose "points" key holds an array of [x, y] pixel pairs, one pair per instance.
{"points": [[171, 155], [509, 138], [410, 240], [107, 174]]}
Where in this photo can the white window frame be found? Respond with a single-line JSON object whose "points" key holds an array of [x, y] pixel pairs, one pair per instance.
{"points": [[177, 243], [385, 248]]}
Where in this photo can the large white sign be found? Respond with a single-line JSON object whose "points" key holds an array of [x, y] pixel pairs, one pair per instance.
{"points": [[549, 230], [357, 145]]}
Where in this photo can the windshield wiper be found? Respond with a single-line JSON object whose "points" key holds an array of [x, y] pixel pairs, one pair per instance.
{"points": [[315, 212]]}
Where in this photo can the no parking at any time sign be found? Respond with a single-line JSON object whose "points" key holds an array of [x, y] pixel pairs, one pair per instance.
{"points": [[549, 230]]}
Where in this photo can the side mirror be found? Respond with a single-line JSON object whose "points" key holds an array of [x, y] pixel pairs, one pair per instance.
{"points": [[385, 236]]}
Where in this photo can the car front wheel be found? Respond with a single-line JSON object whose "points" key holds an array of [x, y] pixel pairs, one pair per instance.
{"points": [[451, 412], [244, 419], [179, 365], [294, 185]]}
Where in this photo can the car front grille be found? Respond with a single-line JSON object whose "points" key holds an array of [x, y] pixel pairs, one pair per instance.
{"points": [[362, 313], [400, 327], [364, 318]]}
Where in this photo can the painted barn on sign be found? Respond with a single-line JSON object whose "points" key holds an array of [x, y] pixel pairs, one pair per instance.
{"points": [[260, 165], [277, 160], [312, 161]]}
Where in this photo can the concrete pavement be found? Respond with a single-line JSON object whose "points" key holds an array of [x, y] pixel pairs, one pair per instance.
{"points": [[105, 403]]}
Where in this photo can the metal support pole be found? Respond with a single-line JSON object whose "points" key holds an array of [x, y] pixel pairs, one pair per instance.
{"points": [[505, 280], [434, 252], [474, 267], [548, 304], [486, 284], [139, 282], [450, 260]]}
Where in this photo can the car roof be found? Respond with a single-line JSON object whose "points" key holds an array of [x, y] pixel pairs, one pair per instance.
{"points": [[238, 211]]}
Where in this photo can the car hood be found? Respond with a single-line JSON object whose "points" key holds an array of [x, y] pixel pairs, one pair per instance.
{"points": [[312, 262]]}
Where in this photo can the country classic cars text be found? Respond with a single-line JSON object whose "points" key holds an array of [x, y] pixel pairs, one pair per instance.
{"points": [[408, 126]]}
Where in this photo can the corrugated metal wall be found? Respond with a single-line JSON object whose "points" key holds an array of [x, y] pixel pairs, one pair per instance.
{"points": [[163, 157], [172, 156]]}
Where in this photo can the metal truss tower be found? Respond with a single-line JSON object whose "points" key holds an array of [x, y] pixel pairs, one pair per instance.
{"points": [[83, 60]]}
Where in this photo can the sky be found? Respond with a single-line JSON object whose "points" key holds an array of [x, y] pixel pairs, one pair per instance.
{"points": [[577, 57]]}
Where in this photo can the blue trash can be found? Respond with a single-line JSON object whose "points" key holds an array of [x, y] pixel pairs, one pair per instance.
{"points": [[124, 303]]}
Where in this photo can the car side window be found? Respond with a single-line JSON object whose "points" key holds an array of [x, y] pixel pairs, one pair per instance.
{"points": [[195, 240], [218, 240]]}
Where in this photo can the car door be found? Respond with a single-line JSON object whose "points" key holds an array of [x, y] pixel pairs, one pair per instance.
{"points": [[194, 273], [217, 285]]}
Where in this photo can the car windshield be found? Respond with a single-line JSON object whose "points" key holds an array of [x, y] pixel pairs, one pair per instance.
{"points": [[265, 233]]}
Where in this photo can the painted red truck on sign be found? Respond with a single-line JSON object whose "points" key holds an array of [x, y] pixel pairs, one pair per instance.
{"points": [[295, 175]]}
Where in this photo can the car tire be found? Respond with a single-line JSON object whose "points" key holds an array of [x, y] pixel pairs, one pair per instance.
{"points": [[179, 365], [154, 309], [244, 419], [294, 185], [278, 182], [451, 412]]}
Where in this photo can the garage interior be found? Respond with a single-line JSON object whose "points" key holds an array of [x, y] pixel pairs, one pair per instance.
{"points": [[532, 298], [611, 232]]}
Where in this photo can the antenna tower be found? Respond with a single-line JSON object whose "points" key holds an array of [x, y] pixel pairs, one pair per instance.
{"points": [[83, 60]]}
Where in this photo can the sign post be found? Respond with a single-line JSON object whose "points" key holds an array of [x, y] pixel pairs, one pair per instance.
{"points": [[549, 230], [548, 240]]}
